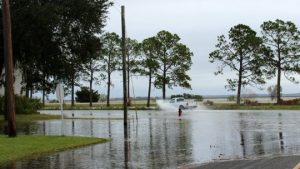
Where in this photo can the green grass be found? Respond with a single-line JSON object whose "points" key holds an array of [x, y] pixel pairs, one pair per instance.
{"points": [[114, 105], [22, 118], [267, 106], [21, 147]]}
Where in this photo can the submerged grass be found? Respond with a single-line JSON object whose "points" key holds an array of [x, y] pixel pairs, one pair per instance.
{"points": [[23, 146]]}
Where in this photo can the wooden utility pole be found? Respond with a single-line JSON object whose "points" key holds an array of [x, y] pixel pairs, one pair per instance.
{"points": [[9, 81], [124, 69]]}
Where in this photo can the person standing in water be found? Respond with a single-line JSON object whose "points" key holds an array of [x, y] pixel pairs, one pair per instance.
{"points": [[179, 112]]}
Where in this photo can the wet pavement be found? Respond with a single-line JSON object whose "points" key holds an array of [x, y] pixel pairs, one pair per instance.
{"points": [[286, 162], [159, 139]]}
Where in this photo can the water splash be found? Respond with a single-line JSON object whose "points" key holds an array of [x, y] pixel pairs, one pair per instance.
{"points": [[165, 105]]}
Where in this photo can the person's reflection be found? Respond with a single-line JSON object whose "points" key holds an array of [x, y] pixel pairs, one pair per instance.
{"points": [[109, 129], [280, 131], [281, 141]]}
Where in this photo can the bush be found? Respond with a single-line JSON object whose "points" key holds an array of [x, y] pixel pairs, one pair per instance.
{"points": [[24, 105], [177, 95], [209, 103], [83, 95], [189, 96], [231, 98], [290, 102], [198, 98], [53, 101], [251, 103]]}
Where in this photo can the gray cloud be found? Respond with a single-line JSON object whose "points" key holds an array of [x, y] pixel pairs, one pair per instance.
{"points": [[198, 23]]}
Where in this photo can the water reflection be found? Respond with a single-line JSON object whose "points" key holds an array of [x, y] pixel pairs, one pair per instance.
{"points": [[161, 140]]}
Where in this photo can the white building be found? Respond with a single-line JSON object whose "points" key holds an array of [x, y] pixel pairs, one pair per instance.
{"points": [[17, 84]]}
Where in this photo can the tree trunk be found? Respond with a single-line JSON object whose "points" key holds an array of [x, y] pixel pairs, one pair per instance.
{"points": [[238, 100], [108, 91], [44, 86], [128, 84], [108, 81], [149, 88], [278, 76], [278, 84], [164, 82], [91, 86], [9, 87], [31, 92], [72, 92], [27, 86], [5, 107], [27, 90]]}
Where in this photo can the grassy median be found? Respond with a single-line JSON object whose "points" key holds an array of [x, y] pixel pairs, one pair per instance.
{"points": [[27, 146], [114, 105], [25, 118], [22, 146], [266, 106]]}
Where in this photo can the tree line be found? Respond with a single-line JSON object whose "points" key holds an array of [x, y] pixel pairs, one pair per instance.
{"points": [[163, 59], [63, 40], [255, 58]]}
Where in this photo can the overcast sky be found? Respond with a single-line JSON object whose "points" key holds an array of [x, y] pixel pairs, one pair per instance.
{"points": [[198, 23]]}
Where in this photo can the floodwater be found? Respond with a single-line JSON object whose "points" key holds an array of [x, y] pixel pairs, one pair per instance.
{"points": [[160, 139]]}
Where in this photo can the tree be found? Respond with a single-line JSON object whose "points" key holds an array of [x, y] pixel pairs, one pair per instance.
{"points": [[175, 60], [243, 55], [149, 64], [9, 82], [83, 95], [93, 66], [272, 90], [111, 57], [282, 39], [80, 20], [53, 47], [133, 53]]}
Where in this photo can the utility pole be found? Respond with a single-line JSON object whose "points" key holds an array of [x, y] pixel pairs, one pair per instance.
{"points": [[9, 81], [124, 69]]}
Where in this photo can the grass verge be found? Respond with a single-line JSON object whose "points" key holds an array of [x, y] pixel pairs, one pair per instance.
{"points": [[224, 106], [31, 146], [115, 105], [24, 118]]}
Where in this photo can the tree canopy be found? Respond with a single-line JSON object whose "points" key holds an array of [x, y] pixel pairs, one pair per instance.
{"points": [[282, 39], [241, 53], [175, 59]]}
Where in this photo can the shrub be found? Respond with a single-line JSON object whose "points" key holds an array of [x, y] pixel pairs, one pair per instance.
{"points": [[177, 95], [209, 103], [231, 98], [251, 103], [83, 95], [198, 98], [53, 101], [24, 105], [290, 102], [189, 96]]}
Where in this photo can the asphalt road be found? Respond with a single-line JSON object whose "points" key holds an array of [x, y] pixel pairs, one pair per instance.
{"points": [[288, 162]]}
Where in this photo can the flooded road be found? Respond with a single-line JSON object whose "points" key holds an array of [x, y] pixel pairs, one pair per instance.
{"points": [[159, 139]]}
